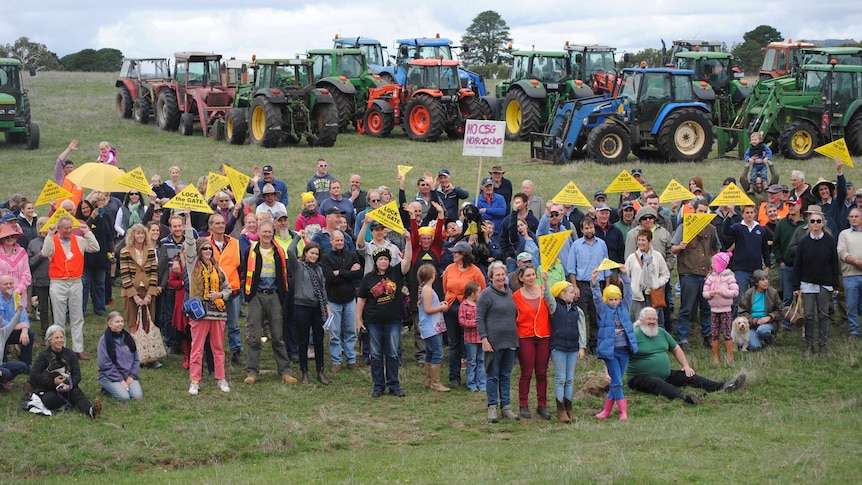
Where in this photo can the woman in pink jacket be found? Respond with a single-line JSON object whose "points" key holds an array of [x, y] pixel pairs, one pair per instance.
{"points": [[14, 260], [720, 289]]}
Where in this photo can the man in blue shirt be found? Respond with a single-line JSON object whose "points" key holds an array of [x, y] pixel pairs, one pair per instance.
{"points": [[255, 187], [585, 255], [491, 205]]}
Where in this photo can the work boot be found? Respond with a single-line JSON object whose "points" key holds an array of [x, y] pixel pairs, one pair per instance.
{"points": [[507, 413], [321, 378], [250, 379], [568, 405], [691, 399], [706, 341], [305, 377], [809, 350], [716, 359], [492, 414], [82, 356], [728, 351], [434, 376], [236, 358], [623, 406], [427, 376], [822, 352], [609, 406], [525, 412], [562, 415], [288, 379], [543, 413], [734, 384]]}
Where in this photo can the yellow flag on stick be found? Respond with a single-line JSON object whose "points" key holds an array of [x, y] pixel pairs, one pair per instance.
{"points": [[136, 179], [238, 181], [189, 197], [51, 191], [388, 215], [550, 246], [731, 195], [403, 169], [675, 191], [216, 182], [692, 224], [607, 264], [836, 149], [624, 183], [60, 212], [571, 195]]}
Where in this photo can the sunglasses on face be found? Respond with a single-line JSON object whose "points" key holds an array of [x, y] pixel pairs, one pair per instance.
{"points": [[647, 218], [208, 248], [815, 221], [555, 214], [134, 193], [373, 200]]}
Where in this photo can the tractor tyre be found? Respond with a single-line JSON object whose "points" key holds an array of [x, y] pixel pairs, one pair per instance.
{"points": [[685, 136], [386, 78], [424, 119], [167, 111], [266, 128], [123, 103], [324, 125], [187, 124], [608, 143], [33, 137], [523, 115], [346, 108], [236, 126], [472, 108], [799, 139], [141, 110], [377, 123], [853, 135]]}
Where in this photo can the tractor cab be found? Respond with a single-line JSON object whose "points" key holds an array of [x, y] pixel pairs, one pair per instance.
{"points": [[781, 58], [839, 86], [198, 69], [593, 64], [290, 76], [433, 74], [349, 63], [15, 120], [371, 48], [547, 67], [687, 45], [650, 91], [851, 56], [145, 69]]}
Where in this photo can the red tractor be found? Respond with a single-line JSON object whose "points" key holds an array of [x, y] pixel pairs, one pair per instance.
{"points": [[135, 96], [432, 102], [197, 92]]}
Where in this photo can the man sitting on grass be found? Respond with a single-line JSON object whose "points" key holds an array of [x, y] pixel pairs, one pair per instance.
{"points": [[649, 369]]}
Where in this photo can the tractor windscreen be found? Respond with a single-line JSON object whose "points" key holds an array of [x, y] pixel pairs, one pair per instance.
{"points": [[348, 66], [814, 81], [9, 79], [429, 52], [204, 73], [595, 62], [769, 60], [548, 69], [373, 54]]}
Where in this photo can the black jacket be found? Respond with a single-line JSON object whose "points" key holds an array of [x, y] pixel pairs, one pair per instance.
{"points": [[341, 288]]}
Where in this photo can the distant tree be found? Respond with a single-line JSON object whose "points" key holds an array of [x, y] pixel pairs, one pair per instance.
{"points": [[762, 35], [31, 54], [492, 71], [650, 55], [486, 40], [90, 60], [750, 55]]}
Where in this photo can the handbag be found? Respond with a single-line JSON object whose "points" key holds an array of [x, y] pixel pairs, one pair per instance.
{"points": [[194, 309], [148, 339], [656, 296], [793, 313]]}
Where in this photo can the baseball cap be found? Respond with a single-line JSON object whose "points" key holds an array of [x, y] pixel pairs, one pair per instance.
{"points": [[636, 171], [556, 208], [443, 172], [785, 188], [798, 200], [858, 192], [267, 169], [729, 180], [603, 207], [525, 256], [627, 205], [278, 215], [600, 193], [487, 181], [461, 247], [774, 189], [334, 210], [374, 225]]}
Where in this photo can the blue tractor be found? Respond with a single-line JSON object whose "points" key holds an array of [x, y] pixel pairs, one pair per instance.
{"points": [[659, 115], [372, 48]]}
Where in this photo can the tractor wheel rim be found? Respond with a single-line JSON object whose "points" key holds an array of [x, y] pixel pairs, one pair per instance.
{"points": [[801, 142], [228, 128], [513, 117], [689, 138], [258, 122], [420, 120], [375, 122], [611, 146]]}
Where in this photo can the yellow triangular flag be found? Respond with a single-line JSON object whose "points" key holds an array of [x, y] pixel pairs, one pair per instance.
{"points": [[550, 246], [216, 182], [189, 197], [607, 264], [675, 191], [388, 215], [692, 224], [403, 169], [571, 195], [51, 191], [60, 212], [836, 149], [472, 228], [136, 179], [624, 183], [238, 181], [731, 195]]}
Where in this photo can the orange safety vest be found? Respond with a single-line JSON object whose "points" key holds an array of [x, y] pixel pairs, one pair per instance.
{"points": [[228, 260], [532, 323], [63, 268], [252, 265], [763, 219]]}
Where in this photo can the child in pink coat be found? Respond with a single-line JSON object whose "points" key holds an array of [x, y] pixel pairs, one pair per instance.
{"points": [[721, 290]]}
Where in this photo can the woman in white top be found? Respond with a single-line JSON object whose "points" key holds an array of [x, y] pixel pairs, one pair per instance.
{"points": [[648, 271]]}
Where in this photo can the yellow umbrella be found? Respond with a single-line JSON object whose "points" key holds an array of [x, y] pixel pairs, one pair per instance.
{"points": [[98, 176]]}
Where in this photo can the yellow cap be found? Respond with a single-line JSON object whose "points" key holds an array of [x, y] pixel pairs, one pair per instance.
{"points": [[558, 288], [611, 291]]}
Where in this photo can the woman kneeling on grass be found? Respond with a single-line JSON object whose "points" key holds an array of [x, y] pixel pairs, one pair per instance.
{"points": [[119, 366], [496, 320]]}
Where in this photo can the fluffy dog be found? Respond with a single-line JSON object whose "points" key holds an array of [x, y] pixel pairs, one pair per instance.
{"points": [[739, 333]]}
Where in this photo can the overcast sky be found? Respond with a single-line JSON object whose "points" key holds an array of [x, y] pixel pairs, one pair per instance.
{"points": [[241, 28]]}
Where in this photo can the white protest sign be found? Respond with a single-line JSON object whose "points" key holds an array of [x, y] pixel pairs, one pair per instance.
{"points": [[484, 138]]}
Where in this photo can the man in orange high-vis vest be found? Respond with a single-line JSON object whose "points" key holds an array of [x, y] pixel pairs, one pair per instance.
{"points": [[65, 253], [226, 253]]}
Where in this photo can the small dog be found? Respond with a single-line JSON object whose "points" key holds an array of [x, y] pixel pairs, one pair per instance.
{"points": [[739, 333]]}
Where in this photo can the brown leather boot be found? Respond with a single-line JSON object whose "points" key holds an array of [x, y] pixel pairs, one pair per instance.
{"points": [[715, 358], [427, 376], [562, 415], [434, 371], [728, 351], [568, 405]]}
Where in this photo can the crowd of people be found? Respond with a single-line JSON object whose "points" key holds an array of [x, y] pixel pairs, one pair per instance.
{"points": [[464, 275]]}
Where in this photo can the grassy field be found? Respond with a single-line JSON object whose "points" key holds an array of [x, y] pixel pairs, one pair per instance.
{"points": [[797, 421]]}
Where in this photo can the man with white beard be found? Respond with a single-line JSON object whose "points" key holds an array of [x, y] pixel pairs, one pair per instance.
{"points": [[649, 369]]}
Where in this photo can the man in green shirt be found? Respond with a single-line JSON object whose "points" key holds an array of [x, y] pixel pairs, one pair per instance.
{"points": [[649, 369]]}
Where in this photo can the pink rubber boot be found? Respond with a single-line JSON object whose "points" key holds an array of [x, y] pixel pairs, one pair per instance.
{"points": [[609, 406], [623, 405]]}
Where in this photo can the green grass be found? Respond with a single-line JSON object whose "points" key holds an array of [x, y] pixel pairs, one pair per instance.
{"points": [[797, 421]]}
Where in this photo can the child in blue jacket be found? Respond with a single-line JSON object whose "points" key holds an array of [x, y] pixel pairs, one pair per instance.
{"points": [[568, 345], [616, 339]]}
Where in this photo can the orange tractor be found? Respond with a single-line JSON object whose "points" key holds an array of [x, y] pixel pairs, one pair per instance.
{"points": [[432, 102]]}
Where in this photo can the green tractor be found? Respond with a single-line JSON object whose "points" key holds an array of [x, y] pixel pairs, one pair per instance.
{"points": [[15, 106], [537, 81], [345, 73], [282, 105], [718, 69]]}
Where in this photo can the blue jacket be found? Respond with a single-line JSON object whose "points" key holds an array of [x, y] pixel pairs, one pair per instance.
{"points": [[568, 328], [607, 320]]}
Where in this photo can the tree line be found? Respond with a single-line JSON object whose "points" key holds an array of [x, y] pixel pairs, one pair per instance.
{"points": [[36, 55]]}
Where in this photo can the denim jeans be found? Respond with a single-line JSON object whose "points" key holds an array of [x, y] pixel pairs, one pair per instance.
{"points": [[498, 368], [234, 337], [165, 303], [743, 280], [434, 349], [787, 288], [385, 339], [616, 367], [476, 380], [94, 285], [342, 332], [853, 295], [118, 392], [691, 297], [760, 336], [12, 369], [564, 373]]}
